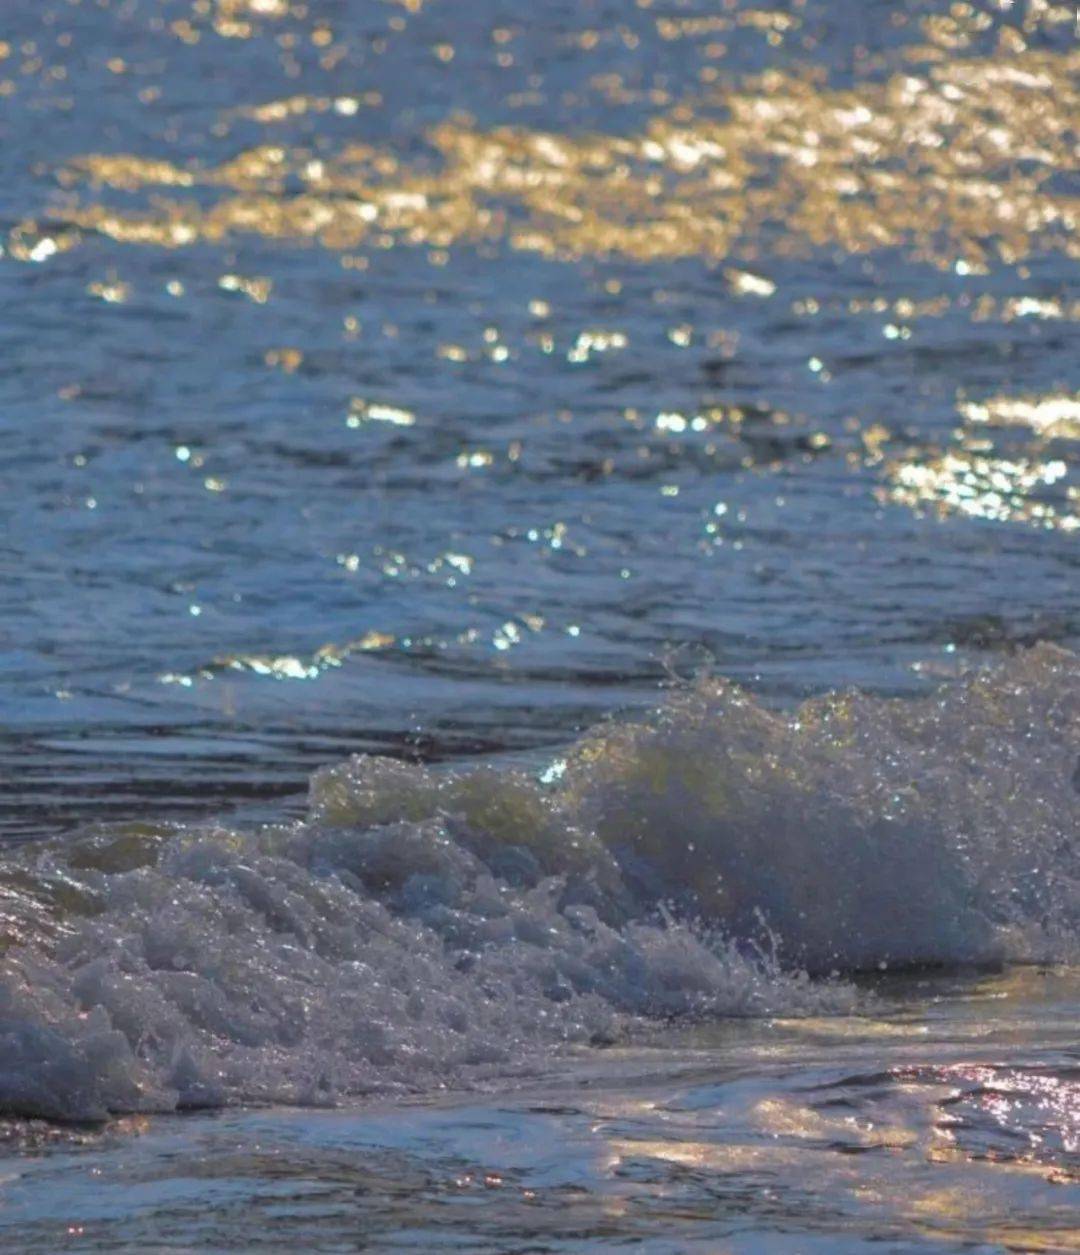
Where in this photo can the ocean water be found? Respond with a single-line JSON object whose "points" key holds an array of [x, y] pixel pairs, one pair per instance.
{"points": [[540, 647]]}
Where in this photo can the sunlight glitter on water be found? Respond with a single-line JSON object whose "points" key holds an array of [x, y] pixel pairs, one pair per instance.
{"points": [[433, 382]]}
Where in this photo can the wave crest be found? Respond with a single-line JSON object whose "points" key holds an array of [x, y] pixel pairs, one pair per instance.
{"points": [[424, 927]]}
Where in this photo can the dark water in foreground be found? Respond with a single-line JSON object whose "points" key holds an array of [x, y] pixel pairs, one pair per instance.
{"points": [[434, 381]]}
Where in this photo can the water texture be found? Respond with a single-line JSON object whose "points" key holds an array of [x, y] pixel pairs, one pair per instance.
{"points": [[422, 379], [539, 694]]}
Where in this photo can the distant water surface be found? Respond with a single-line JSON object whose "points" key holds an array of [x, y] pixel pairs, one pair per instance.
{"points": [[434, 378]]}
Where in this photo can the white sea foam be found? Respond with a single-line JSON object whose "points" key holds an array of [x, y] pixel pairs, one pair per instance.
{"points": [[426, 928]]}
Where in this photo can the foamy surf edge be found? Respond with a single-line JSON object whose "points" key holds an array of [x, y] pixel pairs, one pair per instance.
{"points": [[422, 929]]}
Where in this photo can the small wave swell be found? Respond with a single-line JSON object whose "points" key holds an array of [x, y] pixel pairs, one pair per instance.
{"points": [[423, 928]]}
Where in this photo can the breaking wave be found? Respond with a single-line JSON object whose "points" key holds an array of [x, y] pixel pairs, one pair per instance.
{"points": [[424, 927]]}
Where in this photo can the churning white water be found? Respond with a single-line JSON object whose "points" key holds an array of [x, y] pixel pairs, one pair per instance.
{"points": [[423, 929]]}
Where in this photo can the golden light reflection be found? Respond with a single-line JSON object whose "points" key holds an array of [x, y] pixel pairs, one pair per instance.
{"points": [[230, 18], [361, 412], [297, 106], [954, 161], [747, 284], [288, 360], [596, 341], [28, 243], [112, 291], [984, 308], [984, 486], [1053, 417], [256, 288], [976, 479], [257, 8], [284, 666]]}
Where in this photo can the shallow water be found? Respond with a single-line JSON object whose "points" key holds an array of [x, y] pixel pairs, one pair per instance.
{"points": [[433, 382], [946, 1122]]}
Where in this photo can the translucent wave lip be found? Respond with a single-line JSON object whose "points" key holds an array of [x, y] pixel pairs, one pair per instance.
{"points": [[423, 928]]}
